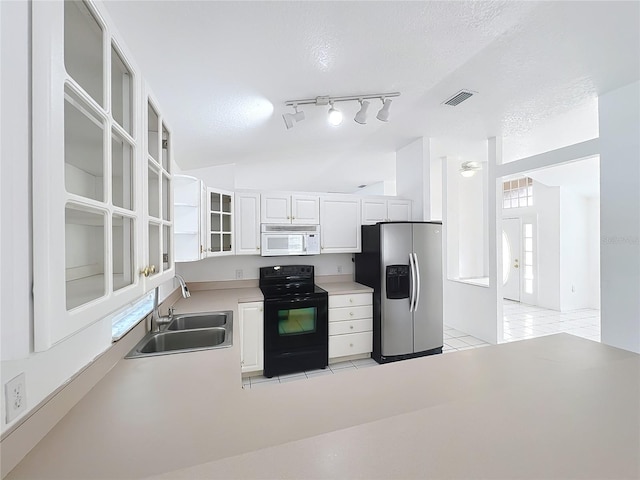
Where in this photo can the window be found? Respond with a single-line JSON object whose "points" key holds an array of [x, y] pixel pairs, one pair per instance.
{"points": [[528, 258], [517, 193], [128, 317]]}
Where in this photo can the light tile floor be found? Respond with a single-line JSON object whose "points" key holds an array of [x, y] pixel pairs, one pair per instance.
{"points": [[523, 321]]}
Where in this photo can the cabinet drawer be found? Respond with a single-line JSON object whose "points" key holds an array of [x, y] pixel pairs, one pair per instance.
{"points": [[352, 326], [350, 313], [350, 300], [351, 344]]}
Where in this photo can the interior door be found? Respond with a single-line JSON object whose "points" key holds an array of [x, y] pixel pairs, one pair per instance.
{"points": [[511, 248]]}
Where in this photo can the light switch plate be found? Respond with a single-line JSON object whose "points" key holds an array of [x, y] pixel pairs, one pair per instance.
{"points": [[15, 396]]}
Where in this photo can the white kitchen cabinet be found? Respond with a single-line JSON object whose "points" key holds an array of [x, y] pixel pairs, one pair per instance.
{"points": [[219, 222], [189, 235], [247, 223], [100, 199], [251, 330], [339, 224], [376, 210], [350, 325], [287, 208]]}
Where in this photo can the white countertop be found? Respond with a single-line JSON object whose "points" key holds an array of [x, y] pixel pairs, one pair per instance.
{"points": [[556, 406], [343, 288]]}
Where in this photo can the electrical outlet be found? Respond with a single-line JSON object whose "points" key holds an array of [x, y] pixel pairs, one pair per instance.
{"points": [[239, 274], [15, 396], [339, 268]]}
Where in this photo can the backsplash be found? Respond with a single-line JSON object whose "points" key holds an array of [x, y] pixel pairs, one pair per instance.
{"points": [[243, 267]]}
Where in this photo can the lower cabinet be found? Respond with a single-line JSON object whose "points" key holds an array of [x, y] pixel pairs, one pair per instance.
{"points": [[350, 324], [251, 332]]}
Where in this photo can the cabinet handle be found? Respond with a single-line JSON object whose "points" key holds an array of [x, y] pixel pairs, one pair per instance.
{"points": [[351, 300], [293, 218], [351, 344], [351, 315], [152, 269], [258, 248], [288, 217], [145, 271], [351, 327]]}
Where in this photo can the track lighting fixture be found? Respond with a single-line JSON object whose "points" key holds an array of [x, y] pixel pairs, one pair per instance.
{"points": [[335, 115], [469, 169], [361, 116], [289, 118], [383, 114]]}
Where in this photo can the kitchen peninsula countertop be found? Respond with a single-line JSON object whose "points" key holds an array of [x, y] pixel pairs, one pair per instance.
{"points": [[555, 406]]}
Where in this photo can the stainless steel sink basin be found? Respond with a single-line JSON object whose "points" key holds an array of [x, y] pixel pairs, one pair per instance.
{"points": [[188, 333], [189, 321]]}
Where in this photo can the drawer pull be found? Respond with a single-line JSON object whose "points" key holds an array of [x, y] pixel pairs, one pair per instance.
{"points": [[350, 300], [351, 327], [351, 344], [351, 314]]}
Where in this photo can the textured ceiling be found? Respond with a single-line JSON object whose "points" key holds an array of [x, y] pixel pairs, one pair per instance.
{"points": [[222, 72]]}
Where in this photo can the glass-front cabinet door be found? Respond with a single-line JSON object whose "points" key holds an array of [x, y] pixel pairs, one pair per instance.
{"points": [[89, 190], [219, 222]]}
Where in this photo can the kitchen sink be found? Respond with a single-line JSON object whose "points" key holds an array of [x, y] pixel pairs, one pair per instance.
{"points": [[188, 333], [189, 321]]}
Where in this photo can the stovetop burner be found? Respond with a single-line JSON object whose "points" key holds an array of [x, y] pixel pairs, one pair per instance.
{"points": [[286, 280]]}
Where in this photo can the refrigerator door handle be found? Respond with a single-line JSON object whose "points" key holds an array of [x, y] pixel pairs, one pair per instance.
{"points": [[417, 267], [412, 298]]}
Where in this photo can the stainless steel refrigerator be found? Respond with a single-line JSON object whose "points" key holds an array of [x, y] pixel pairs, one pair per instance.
{"points": [[402, 262]]}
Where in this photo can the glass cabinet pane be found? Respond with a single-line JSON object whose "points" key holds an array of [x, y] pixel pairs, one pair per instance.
{"points": [[152, 133], [215, 202], [153, 190], [166, 161], [215, 222], [166, 198], [167, 261], [121, 92], [226, 242], [216, 245], [226, 223], [154, 247], [83, 149], [226, 203], [121, 172], [83, 56], [123, 240], [84, 255]]}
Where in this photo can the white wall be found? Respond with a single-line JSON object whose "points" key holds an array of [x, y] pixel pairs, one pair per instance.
{"points": [[547, 207], [412, 177], [224, 268], [593, 241], [619, 118], [472, 224], [574, 251]]}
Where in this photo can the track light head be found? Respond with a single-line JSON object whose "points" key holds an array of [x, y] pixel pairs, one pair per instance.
{"points": [[289, 118], [361, 116], [335, 116], [383, 114]]}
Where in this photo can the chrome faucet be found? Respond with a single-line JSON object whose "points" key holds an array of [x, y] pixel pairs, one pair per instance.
{"points": [[183, 287], [155, 316]]}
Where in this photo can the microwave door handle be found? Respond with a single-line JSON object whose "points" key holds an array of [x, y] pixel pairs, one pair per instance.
{"points": [[304, 243]]}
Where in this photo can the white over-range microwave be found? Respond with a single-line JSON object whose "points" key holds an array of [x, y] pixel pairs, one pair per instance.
{"points": [[290, 240]]}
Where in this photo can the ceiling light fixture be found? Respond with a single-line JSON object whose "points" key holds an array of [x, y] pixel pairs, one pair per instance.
{"points": [[361, 116], [335, 115], [289, 118], [383, 114], [469, 169]]}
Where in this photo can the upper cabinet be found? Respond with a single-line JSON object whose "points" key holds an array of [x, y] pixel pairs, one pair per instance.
{"points": [[340, 225], [247, 223], [190, 236], [285, 208], [376, 210], [219, 222], [99, 201]]}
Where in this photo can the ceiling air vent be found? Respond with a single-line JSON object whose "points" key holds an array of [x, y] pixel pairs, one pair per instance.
{"points": [[459, 97]]}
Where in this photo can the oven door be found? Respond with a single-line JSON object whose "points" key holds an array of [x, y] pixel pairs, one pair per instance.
{"points": [[294, 324]]}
